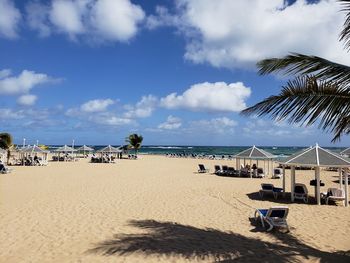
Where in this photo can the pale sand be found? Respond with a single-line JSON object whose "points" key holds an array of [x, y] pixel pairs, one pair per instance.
{"points": [[123, 212]]}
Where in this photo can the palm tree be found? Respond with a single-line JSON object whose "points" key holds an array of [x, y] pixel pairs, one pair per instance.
{"points": [[6, 144], [134, 141], [319, 92]]}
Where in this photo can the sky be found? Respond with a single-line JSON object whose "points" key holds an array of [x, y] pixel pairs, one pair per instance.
{"points": [[178, 72]]}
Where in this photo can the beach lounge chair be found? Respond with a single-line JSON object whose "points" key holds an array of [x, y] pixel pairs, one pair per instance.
{"points": [[334, 194], [259, 173], [244, 172], [232, 171], [300, 192], [202, 169], [274, 217], [217, 169], [4, 169], [277, 173], [224, 170], [269, 189]]}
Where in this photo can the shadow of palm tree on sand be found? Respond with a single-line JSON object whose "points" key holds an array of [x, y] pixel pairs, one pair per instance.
{"points": [[171, 239]]}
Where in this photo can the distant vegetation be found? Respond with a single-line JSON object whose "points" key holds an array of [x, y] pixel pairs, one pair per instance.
{"points": [[134, 141], [6, 143]]}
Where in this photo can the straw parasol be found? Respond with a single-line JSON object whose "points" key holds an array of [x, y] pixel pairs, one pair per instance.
{"points": [[109, 149], [316, 157], [85, 149], [255, 153], [34, 150], [65, 149]]}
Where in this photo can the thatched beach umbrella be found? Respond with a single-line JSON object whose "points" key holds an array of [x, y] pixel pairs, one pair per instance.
{"points": [[64, 149], [85, 149], [34, 150], [109, 150], [255, 153], [317, 157]]}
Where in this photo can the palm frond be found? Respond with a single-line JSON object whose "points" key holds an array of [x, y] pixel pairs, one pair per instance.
{"points": [[345, 33], [341, 128], [305, 100], [299, 64]]}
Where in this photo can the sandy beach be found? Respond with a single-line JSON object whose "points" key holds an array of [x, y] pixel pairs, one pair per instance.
{"points": [[158, 209]]}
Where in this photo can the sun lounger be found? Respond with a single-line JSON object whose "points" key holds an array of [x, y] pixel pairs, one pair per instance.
{"points": [[259, 173], [232, 171], [224, 171], [277, 173], [269, 189], [4, 169], [300, 192], [244, 172], [202, 169], [217, 169], [334, 194], [274, 217]]}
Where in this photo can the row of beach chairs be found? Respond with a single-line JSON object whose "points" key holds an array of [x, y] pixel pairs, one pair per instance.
{"points": [[301, 193], [199, 156], [243, 172]]}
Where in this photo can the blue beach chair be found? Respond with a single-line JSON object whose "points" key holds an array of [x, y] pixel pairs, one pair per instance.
{"points": [[274, 217]]}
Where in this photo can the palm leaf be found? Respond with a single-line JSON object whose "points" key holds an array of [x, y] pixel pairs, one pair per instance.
{"points": [[300, 64], [305, 100], [345, 33]]}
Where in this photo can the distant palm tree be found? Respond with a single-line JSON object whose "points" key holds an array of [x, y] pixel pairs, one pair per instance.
{"points": [[6, 144], [134, 141], [319, 92]]}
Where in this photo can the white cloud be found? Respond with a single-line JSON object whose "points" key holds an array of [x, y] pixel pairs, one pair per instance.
{"points": [[216, 125], [9, 19], [144, 108], [94, 20], [260, 128], [210, 97], [238, 33], [109, 119], [66, 15], [116, 19], [5, 73], [23, 83], [10, 114], [96, 105], [37, 18], [27, 100], [172, 123]]}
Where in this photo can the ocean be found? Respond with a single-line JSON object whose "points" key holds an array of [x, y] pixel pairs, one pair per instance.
{"points": [[210, 150]]}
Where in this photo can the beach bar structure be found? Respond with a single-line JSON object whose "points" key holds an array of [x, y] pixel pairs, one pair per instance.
{"points": [[255, 153], [316, 157]]}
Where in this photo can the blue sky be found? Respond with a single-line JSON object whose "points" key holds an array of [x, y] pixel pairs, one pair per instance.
{"points": [[177, 72]]}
